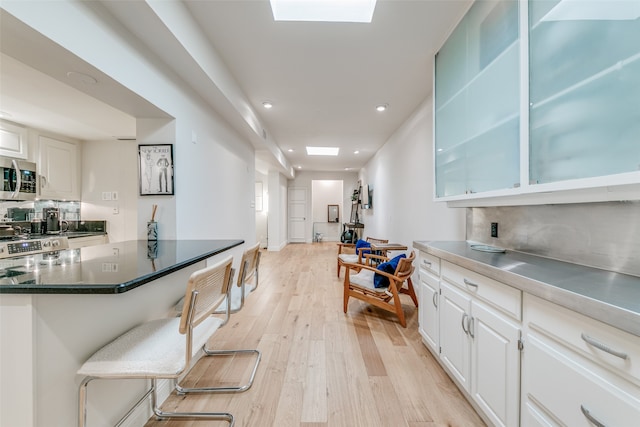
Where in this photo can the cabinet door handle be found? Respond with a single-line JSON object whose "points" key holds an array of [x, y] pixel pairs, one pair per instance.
{"points": [[470, 326], [427, 263], [470, 283], [590, 417], [464, 328], [603, 347], [435, 299]]}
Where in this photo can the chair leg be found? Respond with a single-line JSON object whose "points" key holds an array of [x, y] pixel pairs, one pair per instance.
{"points": [[411, 291], [233, 389], [82, 402], [224, 416], [82, 407], [345, 298]]}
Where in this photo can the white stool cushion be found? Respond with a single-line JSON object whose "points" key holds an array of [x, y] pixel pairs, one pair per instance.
{"points": [[155, 348], [348, 258], [364, 279]]}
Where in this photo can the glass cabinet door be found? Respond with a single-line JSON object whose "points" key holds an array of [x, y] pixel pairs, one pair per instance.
{"points": [[584, 88], [477, 101]]}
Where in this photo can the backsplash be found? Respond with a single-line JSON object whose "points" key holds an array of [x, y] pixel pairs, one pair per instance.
{"points": [[603, 235], [69, 211]]}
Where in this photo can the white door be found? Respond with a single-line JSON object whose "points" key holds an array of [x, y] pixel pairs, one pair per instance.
{"points": [[455, 344], [429, 325], [297, 214], [495, 361]]}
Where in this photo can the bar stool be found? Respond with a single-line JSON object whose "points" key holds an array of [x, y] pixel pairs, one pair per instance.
{"points": [[164, 348], [247, 282]]}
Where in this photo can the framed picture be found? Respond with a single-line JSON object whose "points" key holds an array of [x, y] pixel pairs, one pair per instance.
{"points": [[156, 169]]}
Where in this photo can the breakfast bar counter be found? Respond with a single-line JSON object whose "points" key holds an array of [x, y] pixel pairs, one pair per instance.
{"points": [[57, 308], [104, 269]]}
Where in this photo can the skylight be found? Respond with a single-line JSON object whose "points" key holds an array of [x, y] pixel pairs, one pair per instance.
{"points": [[323, 10], [322, 151]]}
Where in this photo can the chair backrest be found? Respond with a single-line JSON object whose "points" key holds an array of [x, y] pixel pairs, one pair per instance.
{"points": [[206, 289], [249, 264], [405, 267]]}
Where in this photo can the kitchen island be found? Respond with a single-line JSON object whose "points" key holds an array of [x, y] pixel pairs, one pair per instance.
{"points": [[58, 308]]}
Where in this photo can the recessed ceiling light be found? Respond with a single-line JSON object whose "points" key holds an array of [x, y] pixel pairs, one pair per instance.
{"points": [[82, 77], [382, 107], [267, 104], [290, 150], [322, 151], [356, 152], [299, 167], [323, 10]]}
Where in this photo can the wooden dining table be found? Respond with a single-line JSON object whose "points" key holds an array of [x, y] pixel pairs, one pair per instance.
{"points": [[383, 247]]}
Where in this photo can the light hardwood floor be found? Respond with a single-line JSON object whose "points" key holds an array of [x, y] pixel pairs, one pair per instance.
{"points": [[321, 367]]}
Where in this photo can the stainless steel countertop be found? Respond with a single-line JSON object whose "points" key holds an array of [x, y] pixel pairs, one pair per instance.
{"points": [[610, 297]]}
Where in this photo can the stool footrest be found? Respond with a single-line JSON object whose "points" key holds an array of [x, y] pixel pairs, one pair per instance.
{"points": [[232, 389]]}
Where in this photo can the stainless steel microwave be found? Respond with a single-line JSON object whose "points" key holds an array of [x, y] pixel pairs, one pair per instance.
{"points": [[19, 179]]}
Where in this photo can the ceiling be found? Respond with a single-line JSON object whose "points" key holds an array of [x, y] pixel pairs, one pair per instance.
{"points": [[324, 79]]}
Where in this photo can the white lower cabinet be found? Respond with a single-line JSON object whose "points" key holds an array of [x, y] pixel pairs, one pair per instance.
{"points": [[480, 348], [495, 358], [455, 345], [428, 320], [580, 373], [522, 360]]}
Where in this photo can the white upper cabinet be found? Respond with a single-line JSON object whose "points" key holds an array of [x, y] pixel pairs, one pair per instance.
{"points": [[537, 102], [59, 165], [13, 140], [584, 89], [477, 102]]}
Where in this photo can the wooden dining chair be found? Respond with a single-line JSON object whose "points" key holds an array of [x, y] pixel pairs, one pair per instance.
{"points": [[351, 253], [381, 285], [164, 348]]}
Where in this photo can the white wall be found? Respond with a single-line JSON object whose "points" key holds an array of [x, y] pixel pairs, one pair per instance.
{"points": [[304, 179], [262, 216], [111, 166], [277, 217], [324, 193], [401, 176]]}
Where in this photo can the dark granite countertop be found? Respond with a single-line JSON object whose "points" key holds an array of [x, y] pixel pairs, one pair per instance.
{"points": [[105, 269], [610, 297]]}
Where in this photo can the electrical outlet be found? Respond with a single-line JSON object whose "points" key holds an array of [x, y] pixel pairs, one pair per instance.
{"points": [[494, 229], [106, 195]]}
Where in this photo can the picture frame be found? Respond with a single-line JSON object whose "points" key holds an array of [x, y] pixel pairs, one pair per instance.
{"points": [[155, 166]]}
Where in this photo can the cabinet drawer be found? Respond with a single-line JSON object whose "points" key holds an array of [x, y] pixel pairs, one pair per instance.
{"points": [[572, 390], [617, 350], [498, 295], [429, 264]]}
